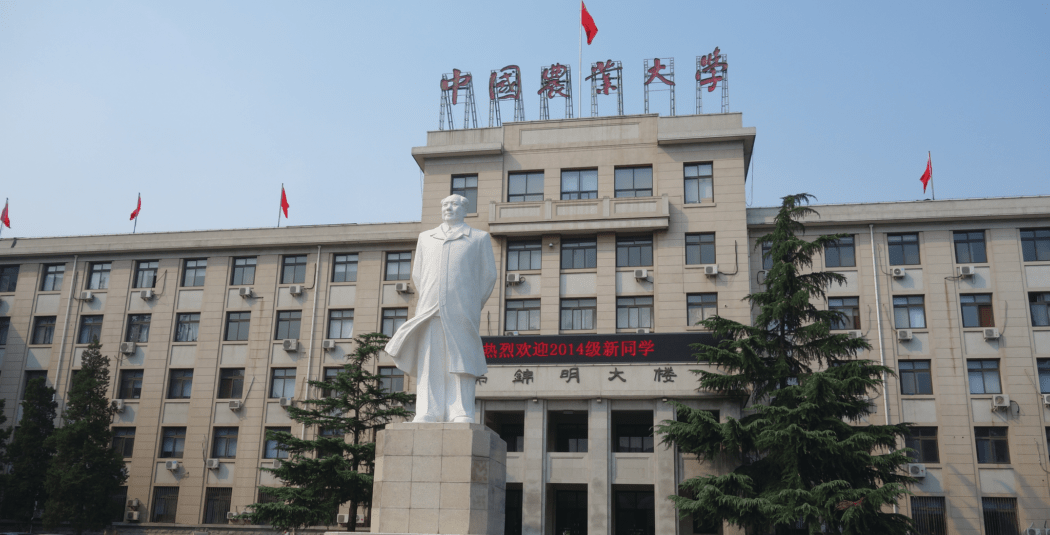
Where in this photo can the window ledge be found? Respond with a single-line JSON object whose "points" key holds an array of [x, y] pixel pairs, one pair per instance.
{"points": [[578, 270], [177, 344], [570, 331], [698, 266], [696, 328], [711, 204]]}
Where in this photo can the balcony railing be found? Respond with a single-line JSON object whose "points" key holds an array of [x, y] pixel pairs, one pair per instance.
{"points": [[581, 216]]}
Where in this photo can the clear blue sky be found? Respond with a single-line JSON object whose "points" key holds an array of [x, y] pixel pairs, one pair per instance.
{"points": [[207, 107]]}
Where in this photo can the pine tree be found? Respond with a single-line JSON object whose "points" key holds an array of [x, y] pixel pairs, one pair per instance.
{"points": [[335, 467], [30, 454], [86, 472], [5, 433], [801, 462]]}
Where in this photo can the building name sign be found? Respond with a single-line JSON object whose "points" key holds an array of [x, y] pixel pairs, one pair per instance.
{"points": [[593, 348]]}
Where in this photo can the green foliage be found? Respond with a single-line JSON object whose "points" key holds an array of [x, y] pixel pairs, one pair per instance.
{"points": [[798, 459], [5, 434], [86, 471], [30, 453], [335, 467]]}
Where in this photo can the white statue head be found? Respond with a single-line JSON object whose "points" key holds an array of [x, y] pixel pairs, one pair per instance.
{"points": [[453, 209]]}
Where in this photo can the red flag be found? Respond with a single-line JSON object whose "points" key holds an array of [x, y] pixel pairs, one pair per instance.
{"points": [[284, 203], [3, 217], [928, 175], [588, 23], [138, 208]]}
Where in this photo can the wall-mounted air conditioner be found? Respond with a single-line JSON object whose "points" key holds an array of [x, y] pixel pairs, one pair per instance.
{"points": [[898, 273], [1046, 399], [1000, 402], [643, 331], [964, 271], [287, 402], [296, 289], [86, 296], [342, 519], [146, 295], [133, 503], [246, 293], [328, 345], [230, 515], [515, 278], [291, 345], [855, 334], [236, 405], [991, 333], [917, 470], [172, 465], [904, 335], [127, 348], [642, 274], [212, 464], [118, 404], [131, 516], [711, 270], [403, 288]]}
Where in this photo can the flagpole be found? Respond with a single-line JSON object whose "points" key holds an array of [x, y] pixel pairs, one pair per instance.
{"points": [[579, 73], [279, 208], [6, 200], [136, 226], [929, 158]]}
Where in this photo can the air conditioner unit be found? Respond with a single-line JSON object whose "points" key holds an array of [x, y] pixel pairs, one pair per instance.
{"points": [[118, 404], [761, 277], [642, 274], [898, 273], [212, 464], [402, 288], [342, 519], [146, 295], [236, 405], [86, 296], [290, 345], [127, 348], [515, 278], [1035, 531], [131, 516], [511, 333], [287, 402], [964, 271], [171, 465], [246, 293], [904, 335], [133, 503], [643, 331], [230, 515], [711, 270], [1000, 402], [295, 289], [991, 333], [328, 345], [917, 470], [1046, 399]]}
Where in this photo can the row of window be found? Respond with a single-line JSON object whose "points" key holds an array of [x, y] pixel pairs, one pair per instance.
{"points": [[580, 314], [173, 443], [982, 376], [909, 311], [930, 515], [582, 253], [992, 445]]}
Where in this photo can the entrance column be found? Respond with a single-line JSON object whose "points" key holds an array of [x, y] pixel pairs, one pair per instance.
{"points": [[533, 500], [664, 484], [599, 505]]}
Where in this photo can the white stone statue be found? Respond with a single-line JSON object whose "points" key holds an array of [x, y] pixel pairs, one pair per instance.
{"points": [[454, 272]]}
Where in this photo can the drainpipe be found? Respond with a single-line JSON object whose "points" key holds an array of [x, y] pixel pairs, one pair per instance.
{"points": [[878, 316], [62, 345], [313, 322]]}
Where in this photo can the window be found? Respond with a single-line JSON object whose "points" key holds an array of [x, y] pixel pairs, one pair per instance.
{"points": [[282, 383], [904, 249], [272, 448], [467, 186], [193, 272], [570, 512], [1044, 375], [698, 182], [977, 310], [510, 426], [288, 322], [237, 324], [217, 502], [5, 325], [8, 278], [124, 440], [700, 307], [915, 377], [767, 255], [130, 384], [929, 515], [579, 254], [146, 274], [909, 312], [523, 315], [524, 255], [138, 328], [90, 329], [165, 503], [98, 275], [243, 271], [523, 187], [231, 383], [391, 379], [840, 253], [700, 248], [1000, 516], [924, 441], [983, 376], [635, 512], [344, 268], [850, 309], [992, 445], [581, 184], [173, 442], [1035, 245], [31, 376], [1039, 303], [393, 319], [293, 269], [398, 266], [340, 323], [329, 378], [634, 182], [224, 443], [53, 274], [43, 329], [180, 384], [632, 431], [969, 247], [634, 312], [187, 326], [634, 252], [578, 314], [568, 431]]}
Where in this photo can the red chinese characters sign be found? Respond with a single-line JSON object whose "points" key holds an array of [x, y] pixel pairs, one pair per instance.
{"points": [[605, 71], [712, 65], [457, 82], [672, 347], [553, 81], [506, 84], [654, 73]]}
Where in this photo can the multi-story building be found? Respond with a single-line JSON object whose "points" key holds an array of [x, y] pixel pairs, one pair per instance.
{"points": [[614, 236]]}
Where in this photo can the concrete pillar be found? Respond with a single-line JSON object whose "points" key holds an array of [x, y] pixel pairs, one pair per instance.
{"points": [[533, 502], [665, 483], [599, 503]]}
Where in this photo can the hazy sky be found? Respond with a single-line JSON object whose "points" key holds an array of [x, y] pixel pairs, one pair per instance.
{"points": [[207, 107]]}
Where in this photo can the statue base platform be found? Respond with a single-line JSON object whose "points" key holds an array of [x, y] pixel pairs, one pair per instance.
{"points": [[439, 478]]}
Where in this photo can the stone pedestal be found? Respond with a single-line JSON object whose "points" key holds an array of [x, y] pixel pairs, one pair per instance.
{"points": [[439, 478]]}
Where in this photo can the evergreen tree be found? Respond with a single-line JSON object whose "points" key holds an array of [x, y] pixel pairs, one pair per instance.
{"points": [[5, 433], [30, 454], [86, 472], [335, 467], [801, 463]]}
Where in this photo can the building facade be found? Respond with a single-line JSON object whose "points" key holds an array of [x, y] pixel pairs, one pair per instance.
{"points": [[613, 237]]}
